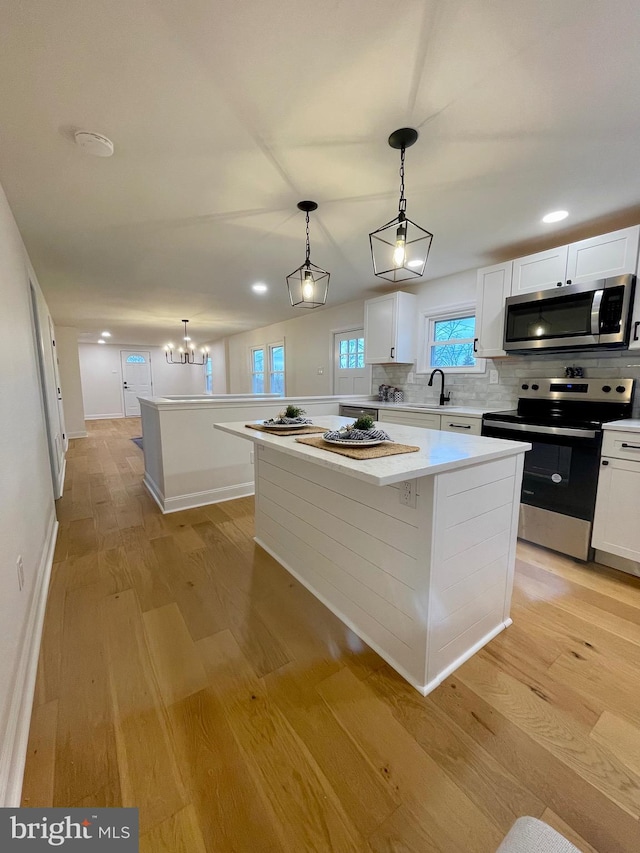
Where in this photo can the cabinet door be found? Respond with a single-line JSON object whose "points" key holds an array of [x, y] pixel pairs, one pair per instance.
{"points": [[615, 525], [540, 271], [380, 318], [494, 285], [604, 256]]}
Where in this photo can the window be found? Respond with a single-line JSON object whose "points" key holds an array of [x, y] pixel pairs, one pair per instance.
{"points": [[276, 369], [351, 354], [267, 369], [448, 337], [208, 377], [257, 370], [136, 359]]}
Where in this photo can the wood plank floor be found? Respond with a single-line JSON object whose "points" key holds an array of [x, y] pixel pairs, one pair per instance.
{"points": [[183, 671]]}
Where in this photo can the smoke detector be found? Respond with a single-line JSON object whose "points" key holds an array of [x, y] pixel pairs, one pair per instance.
{"points": [[94, 143]]}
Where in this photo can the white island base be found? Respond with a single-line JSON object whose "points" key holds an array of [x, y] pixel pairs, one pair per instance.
{"points": [[425, 586]]}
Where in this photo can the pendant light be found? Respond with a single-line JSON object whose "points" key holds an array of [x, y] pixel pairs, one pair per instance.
{"points": [[185, 354], [399, 249], [309, 284]]}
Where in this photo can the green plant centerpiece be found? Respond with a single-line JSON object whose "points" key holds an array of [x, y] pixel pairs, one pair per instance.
{"points": [[364, 422], [292, 412]]}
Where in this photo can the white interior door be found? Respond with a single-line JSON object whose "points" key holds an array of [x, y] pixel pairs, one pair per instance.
{"points": [[350, 374], [136, 379]]}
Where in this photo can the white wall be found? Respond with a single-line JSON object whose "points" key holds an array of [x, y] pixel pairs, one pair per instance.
{"points": [[71, 382], [101, 372], [308, 347], [27, 513]]}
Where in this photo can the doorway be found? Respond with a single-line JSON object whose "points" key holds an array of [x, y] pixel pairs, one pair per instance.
{"points": [[136, 379], [350, 373]]}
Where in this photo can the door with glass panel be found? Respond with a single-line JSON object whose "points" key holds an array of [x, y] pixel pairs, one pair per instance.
{"points": [[350, 374], [136, 379]]}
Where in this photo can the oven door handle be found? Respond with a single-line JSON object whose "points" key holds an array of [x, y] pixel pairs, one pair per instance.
{"points": [[542, 430], [595, 312]]}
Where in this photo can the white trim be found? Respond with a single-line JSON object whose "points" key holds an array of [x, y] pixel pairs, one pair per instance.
{"points": [[61, 474], [104, 417], [196, 499], [15, 738], [423, 688], [79, 434], [441, 312]]}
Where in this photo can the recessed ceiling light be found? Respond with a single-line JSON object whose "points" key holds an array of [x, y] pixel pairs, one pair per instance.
{"points": [[259, 288], [101, 341], [106, 334], [414, 264], [555, 216]]}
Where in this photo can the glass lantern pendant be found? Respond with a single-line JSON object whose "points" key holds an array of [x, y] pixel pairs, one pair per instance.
{"points": [[399, 249], [309, 284]]}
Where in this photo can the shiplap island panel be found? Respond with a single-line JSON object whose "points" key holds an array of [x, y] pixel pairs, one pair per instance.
{"points": [[425, 586]]}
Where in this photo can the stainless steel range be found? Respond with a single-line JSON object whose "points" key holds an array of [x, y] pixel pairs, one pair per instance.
{"points": [[563, 420]]}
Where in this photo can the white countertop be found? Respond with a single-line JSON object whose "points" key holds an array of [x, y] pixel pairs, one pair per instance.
{"points": [[468, 411], [628, 424], [439, 451], [206, 401]]}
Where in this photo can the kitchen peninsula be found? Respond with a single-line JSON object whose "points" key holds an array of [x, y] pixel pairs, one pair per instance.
{"points": [[415, 552]]}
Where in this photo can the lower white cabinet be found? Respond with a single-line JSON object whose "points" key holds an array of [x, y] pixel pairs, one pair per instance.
{"points": [[418, 419], [616, 527], [453, 423]]}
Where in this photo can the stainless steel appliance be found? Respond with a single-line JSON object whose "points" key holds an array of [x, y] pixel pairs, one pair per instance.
{"points": [[357, 411], [576, 316], [562, 419]]}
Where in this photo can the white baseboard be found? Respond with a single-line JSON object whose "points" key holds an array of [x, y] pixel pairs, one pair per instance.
{"points": [[104, 417], [196, 499], [15, 739], [79, 434]]}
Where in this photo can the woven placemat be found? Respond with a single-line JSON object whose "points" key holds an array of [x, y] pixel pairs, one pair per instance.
{"points": [[361, 452], [303, 430]]}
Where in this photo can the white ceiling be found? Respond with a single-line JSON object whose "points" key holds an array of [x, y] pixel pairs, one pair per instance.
{"points": [[224, 115]]}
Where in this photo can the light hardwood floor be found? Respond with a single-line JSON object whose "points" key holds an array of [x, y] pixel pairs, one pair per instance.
{"points": [[185, 672]]}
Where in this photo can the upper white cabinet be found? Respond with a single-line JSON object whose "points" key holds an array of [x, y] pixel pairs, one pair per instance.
{"points": [[494, 285], [539, 271], [604, 256], [389, 329]]}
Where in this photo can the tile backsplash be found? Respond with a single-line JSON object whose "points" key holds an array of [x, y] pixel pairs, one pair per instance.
{"points": [[473, 389]]}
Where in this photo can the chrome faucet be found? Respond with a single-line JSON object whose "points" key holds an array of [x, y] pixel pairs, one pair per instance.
{"points": [[444, 398]]}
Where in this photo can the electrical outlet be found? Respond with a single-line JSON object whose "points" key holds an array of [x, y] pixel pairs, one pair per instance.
{"points": [[493, 377], [408, 493], [321, 371], [20, 569]]}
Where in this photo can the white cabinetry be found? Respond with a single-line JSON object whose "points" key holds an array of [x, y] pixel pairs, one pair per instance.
{"points": [[540, 271], [610, 254], [494, 285], [417, 419], [615, 525], [604, 256], [455, 423], [389, 329]]}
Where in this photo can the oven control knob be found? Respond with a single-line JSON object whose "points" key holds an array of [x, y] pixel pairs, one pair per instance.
{"points": [[525, 387], [534, 387], [606, 388], [621, 389]]}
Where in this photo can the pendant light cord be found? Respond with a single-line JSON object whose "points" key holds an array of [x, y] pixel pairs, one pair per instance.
{"points": [[308, 242], [402, 206]]}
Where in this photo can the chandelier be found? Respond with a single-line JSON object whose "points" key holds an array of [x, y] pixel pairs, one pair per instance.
{"points": [[399, 249], [308, 284], [185, 354]]}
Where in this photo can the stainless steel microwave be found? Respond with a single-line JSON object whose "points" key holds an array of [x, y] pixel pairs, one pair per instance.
{"points": [[595, 314]]}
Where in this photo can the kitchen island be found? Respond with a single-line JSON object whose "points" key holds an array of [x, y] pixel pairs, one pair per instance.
{"points": [[414, 552]]}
